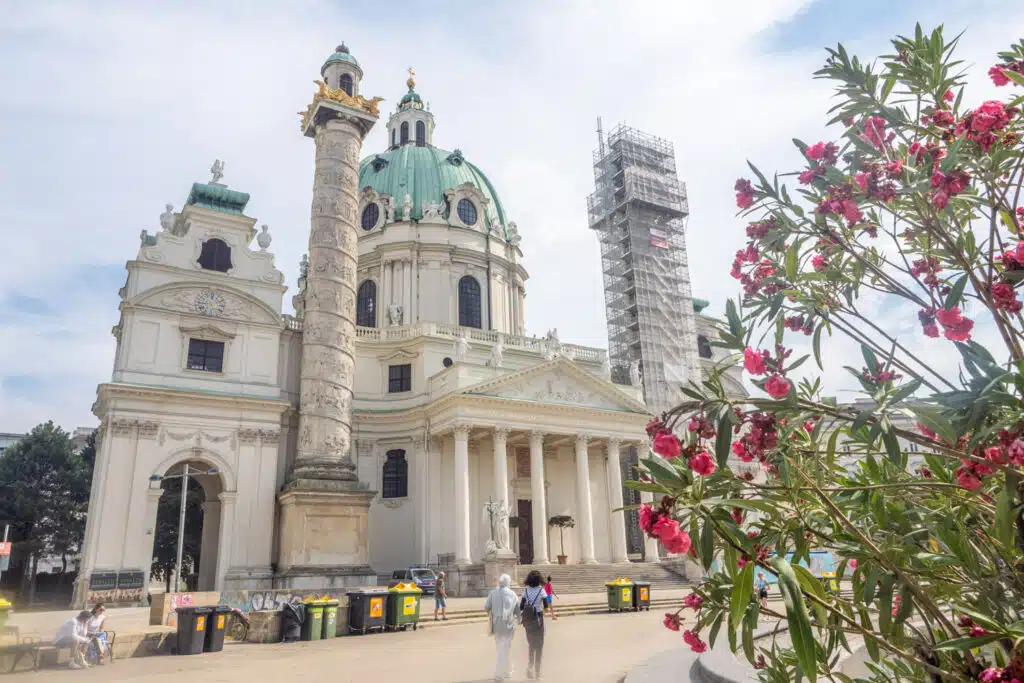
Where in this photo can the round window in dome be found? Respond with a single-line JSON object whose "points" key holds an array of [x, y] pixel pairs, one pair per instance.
{"points": [[467, 212], [370, 216]]}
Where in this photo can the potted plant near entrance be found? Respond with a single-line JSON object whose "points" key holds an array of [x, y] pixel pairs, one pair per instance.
{"points": [[562, 522]]}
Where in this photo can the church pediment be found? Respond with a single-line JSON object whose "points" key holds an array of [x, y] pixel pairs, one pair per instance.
{"points": [[560, 382], [207, 300]]}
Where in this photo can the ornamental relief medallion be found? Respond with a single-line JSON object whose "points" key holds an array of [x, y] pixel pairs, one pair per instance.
{"points": [[207, 302]]}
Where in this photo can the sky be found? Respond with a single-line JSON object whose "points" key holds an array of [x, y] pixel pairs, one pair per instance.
{"points": [[109, 110]]}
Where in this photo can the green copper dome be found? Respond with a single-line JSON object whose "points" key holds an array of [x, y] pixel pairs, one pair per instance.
{"points": [[410, 96], [341, 54], [424, 173]]}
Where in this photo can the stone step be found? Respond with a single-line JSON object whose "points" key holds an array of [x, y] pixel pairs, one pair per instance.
{"points": [[577, 578]]}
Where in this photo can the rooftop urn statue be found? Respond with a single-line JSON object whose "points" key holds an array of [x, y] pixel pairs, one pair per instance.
{"points": [[606, 368], [497, 351], [431, 210], [407, 207], [552, 346], [513, 234], [216, 171], [394, 314], [167, 218], [635, 378], [461, 347], [263, 238]]}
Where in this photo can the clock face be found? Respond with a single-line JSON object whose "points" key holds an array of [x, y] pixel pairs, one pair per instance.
{"points": [[210, 303]]}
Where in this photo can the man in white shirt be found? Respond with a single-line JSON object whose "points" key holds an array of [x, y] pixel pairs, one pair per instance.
{"points": [[73, 634]]}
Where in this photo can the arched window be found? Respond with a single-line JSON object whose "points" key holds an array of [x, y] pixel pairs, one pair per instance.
{"points": [[467, 211], [215, 255], [366, 304], [703, 346], [405, 132], [469, 302], [421, 134], [346, 83], [395, 478], [371, 214]]}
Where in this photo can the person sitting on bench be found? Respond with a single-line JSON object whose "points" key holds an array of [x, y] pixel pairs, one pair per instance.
{"points": [[73, 634]]}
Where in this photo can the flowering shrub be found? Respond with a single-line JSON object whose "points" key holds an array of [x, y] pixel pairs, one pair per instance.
{"points": [[917, 201]]}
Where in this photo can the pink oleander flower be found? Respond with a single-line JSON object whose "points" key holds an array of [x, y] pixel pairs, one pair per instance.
{"points": [[671, 621], [819, 262], [874, 131], [977, 632], [970, 481], [955, 325], [777, 386], [693, 601], [852, 564], [993, 674], [647, 517], [693, 640], [744, 193], [1006, 297], [666, 444], [753, 361], [702, 463], [948, 96], [665, 528], [678, 544], [997, 75], [737, 515], [740, 451]]}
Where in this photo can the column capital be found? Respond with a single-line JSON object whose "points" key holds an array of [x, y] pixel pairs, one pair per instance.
{"points": [[582, 438], [501, 432], [461, 430], [537, 436], [615, 442]]}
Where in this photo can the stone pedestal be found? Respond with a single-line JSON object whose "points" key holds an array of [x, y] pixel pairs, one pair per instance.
{"points": [[324, 539], [498, 563]]}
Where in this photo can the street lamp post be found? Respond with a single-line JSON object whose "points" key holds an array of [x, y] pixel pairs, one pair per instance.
{"points": [[181, 516]]}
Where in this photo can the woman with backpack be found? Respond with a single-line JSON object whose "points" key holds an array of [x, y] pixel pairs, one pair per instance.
{"points": [[532, 607], [503, 609]]}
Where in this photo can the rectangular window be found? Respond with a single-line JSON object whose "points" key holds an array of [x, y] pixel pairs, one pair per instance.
{"points": [[399, 378], [205, 355]]}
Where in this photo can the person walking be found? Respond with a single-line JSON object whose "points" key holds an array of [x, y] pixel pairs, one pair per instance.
{"points": [[440, 598], [503, 608], [73, 634], [762, 590], [549, 598], [532, 607]]}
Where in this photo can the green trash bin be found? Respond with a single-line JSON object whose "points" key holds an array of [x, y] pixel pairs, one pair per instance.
{"points": [[641, 595], [366, 610], [620, 595], [330, 617], [403, 609], [313, 624], [192, 623]]}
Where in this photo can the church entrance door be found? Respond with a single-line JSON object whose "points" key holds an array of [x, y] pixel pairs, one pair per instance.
{"points": [[525, 514]]}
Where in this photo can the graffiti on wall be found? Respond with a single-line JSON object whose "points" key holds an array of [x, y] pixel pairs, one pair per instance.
{"points": [[256, 600], [116, 595]]}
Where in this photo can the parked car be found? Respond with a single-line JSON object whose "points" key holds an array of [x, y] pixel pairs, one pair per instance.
{"points": [[425, 579]]}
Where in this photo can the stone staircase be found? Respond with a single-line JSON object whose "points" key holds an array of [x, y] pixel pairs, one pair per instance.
{"points": [[591, 578]]}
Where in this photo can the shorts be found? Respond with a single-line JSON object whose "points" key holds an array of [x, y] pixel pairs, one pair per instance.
{"points": [[547, 600], [764, 593], [440, 601]]}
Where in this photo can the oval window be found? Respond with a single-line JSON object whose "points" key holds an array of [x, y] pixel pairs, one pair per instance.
{"points": [[371, 214], [467, 212]]}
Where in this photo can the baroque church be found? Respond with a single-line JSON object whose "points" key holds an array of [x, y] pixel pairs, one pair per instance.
{"points": [[400, 417]]}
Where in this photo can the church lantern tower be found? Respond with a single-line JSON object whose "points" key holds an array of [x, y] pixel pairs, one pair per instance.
{"points": [[412, 123]]}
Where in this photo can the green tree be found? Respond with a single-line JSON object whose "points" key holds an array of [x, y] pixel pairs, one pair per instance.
{"points": [[915, 201], [45, 496], [165, 545]]}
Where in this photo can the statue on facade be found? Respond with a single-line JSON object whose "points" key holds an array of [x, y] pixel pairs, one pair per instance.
{"points": [[497, 351], [606, 368], [407, 207], [552, 346], [263, 238], [461, 347], [395, 314], [216, 171], [432, 210], [167, 218], [147, 240], [513, 234], [635, 377], [390, 210], [496, 513]]}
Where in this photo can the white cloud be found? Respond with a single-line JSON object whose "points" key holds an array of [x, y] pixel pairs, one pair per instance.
{"points": [[112, 109]]}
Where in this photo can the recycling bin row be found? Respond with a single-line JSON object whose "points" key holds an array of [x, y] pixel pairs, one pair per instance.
{"points": [[201, 629], [626, 595], [394, 609]]}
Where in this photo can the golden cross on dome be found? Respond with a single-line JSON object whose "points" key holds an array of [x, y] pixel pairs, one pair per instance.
{"points": [[412, 81]]}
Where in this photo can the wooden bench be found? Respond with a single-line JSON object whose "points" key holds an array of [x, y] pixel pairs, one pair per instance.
{"points": [[37, 651]]}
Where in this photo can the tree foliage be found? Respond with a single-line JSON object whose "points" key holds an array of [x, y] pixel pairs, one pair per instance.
{"points": [[44, 492], [917, 202], [165, 542]]}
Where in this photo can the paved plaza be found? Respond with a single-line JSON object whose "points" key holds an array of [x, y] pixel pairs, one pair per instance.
{"points": [[598, 648]]}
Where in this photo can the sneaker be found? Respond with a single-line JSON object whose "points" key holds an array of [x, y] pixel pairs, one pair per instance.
{"points": [[444, 618], [74, 665]]}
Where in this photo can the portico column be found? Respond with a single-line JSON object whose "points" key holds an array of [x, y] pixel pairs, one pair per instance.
{"points": [[539, 506], [208, 545], [501, 470], [227, 533], [617, 522], [583, 504], [462, 552]]}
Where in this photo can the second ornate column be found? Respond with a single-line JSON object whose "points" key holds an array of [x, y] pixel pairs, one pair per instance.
{"points": [[617, 519], [539, 506], [462, 546], [586, 511], [501, 470]]}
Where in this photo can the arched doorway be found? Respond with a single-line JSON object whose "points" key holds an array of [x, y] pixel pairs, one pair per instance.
{"points": [[202, 523]]}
